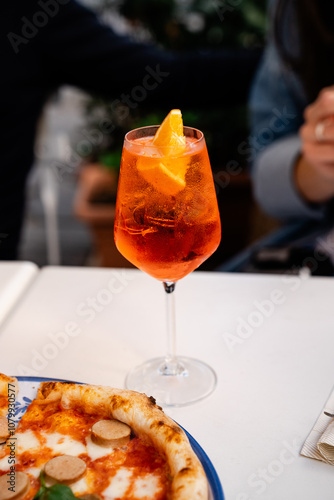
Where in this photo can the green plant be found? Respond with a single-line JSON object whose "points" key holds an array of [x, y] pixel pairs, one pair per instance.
{"points": [[199, 23], [183, 25]]}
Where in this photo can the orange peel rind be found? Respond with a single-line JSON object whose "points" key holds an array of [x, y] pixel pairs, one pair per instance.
{"points": [[167, 173]]}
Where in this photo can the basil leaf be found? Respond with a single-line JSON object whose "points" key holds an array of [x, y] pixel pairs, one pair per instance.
{"points": [[55, 492], [60, 492], [42, 479], [40, 494]]}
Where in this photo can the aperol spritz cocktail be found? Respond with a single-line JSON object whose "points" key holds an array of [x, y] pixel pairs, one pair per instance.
{"points": [[167, 223]]}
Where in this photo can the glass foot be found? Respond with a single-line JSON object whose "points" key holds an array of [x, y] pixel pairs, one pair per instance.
{"points": [[184, 382]]}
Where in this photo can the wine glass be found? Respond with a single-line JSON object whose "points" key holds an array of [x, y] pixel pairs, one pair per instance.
{"points": [[167, 223]]}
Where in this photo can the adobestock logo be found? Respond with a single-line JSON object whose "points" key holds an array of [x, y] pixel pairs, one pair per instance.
{"points": [[279, 120], [31, 27], [263, 477], [120, 108], [246, 326], [85, 311]]}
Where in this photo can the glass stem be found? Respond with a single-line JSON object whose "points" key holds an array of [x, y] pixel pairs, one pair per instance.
{"points": [[171, 365], [170, 320]]}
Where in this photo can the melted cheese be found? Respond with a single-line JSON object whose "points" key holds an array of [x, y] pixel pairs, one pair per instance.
{"points": [[34, 471], [95, 451], [63, 445], [146, 487], [118, 484], [80, 487], [4, 465], [26, 442]]}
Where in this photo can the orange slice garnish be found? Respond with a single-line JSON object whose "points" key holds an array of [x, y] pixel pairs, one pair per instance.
{"points": [[160, 177], [167, 172], [169, 136]]}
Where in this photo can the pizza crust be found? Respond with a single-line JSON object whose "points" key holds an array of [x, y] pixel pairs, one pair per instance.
{"points": [[8, 388], [147, 420]]}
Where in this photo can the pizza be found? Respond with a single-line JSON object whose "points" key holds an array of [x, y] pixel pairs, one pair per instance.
{"points": [[96, 442]]}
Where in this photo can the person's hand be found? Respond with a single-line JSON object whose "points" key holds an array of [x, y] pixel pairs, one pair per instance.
{"points": [[314, 173], [317, 133]]}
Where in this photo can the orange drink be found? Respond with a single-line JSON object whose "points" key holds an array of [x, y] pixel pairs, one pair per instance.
{"points": [[167, 223], [167, 218]]}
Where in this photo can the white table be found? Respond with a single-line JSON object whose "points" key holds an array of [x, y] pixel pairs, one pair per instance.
{"points": [[15, 277], [273, 380]]}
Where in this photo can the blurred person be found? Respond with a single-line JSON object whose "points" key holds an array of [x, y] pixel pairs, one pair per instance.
{"points": [[292, 112], [48, 43]]}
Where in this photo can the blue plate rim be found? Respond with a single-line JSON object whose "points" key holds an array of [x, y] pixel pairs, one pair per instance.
{"points": [[210, 471]]}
